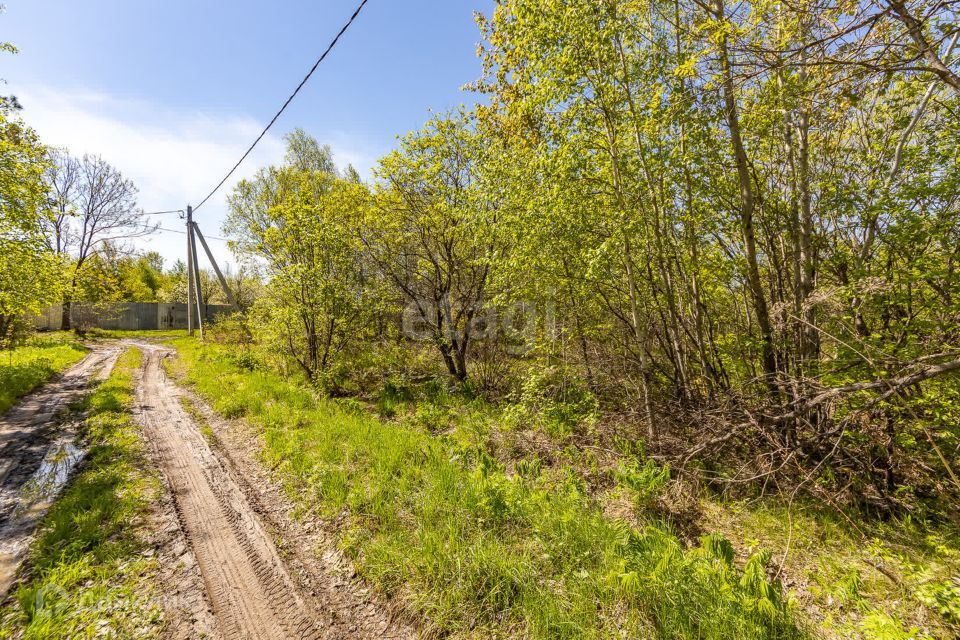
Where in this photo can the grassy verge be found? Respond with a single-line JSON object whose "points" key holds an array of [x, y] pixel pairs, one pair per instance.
{"points": [[474, 550], [25, 368], [88, 570]]}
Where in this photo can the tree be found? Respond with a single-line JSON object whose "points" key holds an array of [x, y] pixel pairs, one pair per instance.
{"points": [[8, 103], [29, 274], [745, 216], [63, 176], [297, 218], [731, 205], [432, 232], [140, 277], [94, 205]]}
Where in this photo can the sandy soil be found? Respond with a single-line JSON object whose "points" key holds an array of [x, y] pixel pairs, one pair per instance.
{"points": [[246, 583], [324, 577]]}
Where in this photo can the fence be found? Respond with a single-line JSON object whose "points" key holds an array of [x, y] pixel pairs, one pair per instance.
{"points": [[125, 315]]}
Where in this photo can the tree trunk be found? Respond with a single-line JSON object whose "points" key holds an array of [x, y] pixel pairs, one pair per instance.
{"points": [[460, 363], [65, 309], [747, 210]]}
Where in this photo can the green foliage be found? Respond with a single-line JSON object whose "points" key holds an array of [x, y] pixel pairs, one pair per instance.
{"points": [[433, 232], [392, 393], [943, 597], [87, 574], [881, 626], [29, 271], [555, 399], [861, 578], [110, 276], [299, 217], [701, 229], [646, 480], [702, 202], [231, 328]]}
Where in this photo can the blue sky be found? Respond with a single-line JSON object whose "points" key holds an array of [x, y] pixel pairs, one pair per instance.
{"points": [[173, 92]]}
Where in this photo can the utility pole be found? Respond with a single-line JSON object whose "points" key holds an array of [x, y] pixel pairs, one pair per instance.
{"points": [[216, 268], [190, 294], [196, 310], [198, 292]]}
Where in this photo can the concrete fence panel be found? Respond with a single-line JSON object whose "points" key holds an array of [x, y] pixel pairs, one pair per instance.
{"points": [[133, 316]]}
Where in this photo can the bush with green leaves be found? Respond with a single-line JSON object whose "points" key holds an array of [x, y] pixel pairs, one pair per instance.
{"points": [[555, 399], [646, 481]]}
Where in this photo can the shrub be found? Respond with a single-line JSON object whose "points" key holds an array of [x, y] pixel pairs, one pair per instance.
{"points": [[231, 328], [556, 400]]}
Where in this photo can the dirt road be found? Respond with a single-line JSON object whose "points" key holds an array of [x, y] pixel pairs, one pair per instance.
{"points": [[37, 454], [251, 594], [215, 531]]}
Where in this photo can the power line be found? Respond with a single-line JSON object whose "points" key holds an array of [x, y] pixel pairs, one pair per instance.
{"points": [[157, 213], [316, 64], [183, 233]]}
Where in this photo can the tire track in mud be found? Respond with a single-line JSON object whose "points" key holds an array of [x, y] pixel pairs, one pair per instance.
{"points": [[250, 591], [37, 454]]}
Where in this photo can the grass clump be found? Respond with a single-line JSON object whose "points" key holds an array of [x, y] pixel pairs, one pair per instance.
{"points": [[26, 367], [474, 550], [87, 573]]}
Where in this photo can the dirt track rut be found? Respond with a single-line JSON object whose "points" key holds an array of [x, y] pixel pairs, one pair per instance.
{"points": [[250, 592]]}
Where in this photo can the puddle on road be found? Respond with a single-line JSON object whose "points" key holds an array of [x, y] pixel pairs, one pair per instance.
{"points": [[49, 478], [33, 498]]}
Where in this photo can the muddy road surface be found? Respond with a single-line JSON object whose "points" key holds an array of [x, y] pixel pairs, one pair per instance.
{"points": [[38, 452], [233, 521]]}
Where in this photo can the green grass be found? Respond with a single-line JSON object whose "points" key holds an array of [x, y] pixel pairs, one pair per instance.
{"points": [[473, 550], [893, 579], [131, 333], [87, 574], [852, 576], [25, 368]]}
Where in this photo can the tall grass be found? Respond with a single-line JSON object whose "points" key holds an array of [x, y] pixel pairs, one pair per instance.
{"points": [[86, 574], [25, 368], [474, 551]]}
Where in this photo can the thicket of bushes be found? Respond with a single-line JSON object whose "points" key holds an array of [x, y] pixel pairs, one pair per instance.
{"points": [[651, 201]]}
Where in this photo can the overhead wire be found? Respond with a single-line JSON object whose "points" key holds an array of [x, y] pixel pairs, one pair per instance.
{"points": [[183, 233], [316, 64]]}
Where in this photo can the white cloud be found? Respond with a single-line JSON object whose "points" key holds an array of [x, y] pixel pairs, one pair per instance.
{"points": [[174, 157]]}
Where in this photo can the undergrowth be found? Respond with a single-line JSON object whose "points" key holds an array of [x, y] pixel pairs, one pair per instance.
{"points": [[26, 367], [864, 579], [474, 549], [87, 573]]}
